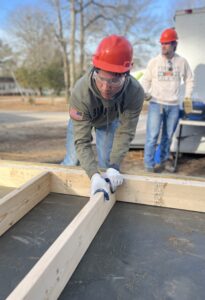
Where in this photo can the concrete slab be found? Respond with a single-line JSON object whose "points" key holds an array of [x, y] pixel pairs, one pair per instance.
{"points": [[140, 252], [143, 252], [23, 245]]}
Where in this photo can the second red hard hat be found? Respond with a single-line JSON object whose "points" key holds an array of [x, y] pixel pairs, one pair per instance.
{"points": [[168, 35]]}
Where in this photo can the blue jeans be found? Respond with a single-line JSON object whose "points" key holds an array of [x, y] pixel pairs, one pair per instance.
{"points": [[104, 142], [164, 118]]}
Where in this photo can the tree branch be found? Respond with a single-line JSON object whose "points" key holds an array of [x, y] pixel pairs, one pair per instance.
{"points": [[95, 19]]}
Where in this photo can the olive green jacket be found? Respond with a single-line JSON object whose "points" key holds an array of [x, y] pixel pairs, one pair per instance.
{"points": [[94, 111]]}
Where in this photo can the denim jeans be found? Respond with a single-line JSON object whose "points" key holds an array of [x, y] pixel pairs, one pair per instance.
{"points": [[70, 158], [162, 118], [104, 142]]}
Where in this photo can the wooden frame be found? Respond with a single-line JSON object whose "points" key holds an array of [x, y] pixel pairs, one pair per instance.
{"points": [[30, 183], [21, 200]]}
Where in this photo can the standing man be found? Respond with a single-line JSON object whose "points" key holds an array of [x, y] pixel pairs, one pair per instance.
{"points": [[109, 100], [161, 84]]}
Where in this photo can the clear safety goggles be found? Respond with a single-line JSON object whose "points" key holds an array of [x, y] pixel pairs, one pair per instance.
{"points": [[114, 82]]}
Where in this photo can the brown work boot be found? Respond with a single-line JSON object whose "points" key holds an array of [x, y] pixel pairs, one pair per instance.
{"points": [[156, 169], [159, 168], [169, 166]]}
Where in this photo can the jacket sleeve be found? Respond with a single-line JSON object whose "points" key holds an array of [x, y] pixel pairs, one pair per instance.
{"points": [[82, 132], [83, 139], [126, 130], [188, 80]]}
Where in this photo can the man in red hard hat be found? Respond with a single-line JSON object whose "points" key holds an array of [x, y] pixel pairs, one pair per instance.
{"points": [[109, 100], [162, 84]]}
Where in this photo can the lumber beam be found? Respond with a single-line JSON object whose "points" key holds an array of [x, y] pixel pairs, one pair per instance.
{"points": [[15, 177], [177, 193], [20, 201], [65, 180], [4, 190], [173, 191], [48, 277]]}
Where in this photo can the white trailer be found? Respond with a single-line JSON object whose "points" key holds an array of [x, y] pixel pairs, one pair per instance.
{"points": [[190, 26]]}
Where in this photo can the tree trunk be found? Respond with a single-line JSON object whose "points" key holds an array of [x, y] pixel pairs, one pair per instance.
{"points": [[61, 39], [72, 44], [66, 74], [82, 39]]}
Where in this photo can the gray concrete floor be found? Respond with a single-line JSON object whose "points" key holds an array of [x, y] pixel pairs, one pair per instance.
{"points": [[140, 252], [143, 252], [23, 245]]}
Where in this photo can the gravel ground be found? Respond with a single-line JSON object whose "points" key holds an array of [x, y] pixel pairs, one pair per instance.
{"points": [[43, 140]]}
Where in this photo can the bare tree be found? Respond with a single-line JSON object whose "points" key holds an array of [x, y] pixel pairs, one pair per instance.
{"points": [[35, 38], [72, 43], [82, 37], [78, 25], [6, 55], [60, 35]]}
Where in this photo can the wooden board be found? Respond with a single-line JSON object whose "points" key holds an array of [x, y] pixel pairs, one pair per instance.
{"points": [[172, 191], [49, 276], [34, 181], [4, 190], [165, 192], [20, 201]]}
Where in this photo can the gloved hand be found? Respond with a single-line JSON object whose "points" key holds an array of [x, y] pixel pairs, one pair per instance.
{"points": [[147, 97], [188, 105], [98, 184], [115, 178]]}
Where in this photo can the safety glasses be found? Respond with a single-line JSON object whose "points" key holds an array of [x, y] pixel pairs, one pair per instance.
{"points": [[113, 82]]}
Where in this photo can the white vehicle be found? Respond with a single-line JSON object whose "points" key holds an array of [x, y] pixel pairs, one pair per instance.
{"points": [[189, 25]]}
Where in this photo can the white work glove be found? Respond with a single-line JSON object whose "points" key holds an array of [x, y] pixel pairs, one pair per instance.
{"points": [[98, 184], [115, 178]]}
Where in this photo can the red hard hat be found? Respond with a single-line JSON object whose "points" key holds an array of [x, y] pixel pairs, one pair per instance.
{"points": [[168, 35], [114, 54]]}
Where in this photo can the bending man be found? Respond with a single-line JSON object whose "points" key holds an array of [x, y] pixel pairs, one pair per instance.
{"points": [[109, 100]]}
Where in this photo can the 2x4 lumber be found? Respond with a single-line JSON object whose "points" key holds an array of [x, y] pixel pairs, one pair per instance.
{"points": [[65, 180], [15, 177], [69, 182], [183, 194], [48, 277], [164, 190], [4, 190], [20, 201]]}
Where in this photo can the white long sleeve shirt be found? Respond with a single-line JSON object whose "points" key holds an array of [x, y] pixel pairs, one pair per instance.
{"points": [[163, 79]]}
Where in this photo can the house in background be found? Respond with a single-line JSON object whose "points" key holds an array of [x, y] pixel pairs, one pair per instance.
{"points": [[8, 86]]}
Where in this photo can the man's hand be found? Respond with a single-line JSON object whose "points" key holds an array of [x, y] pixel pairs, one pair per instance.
{"points": [[115, 178], [98, 184], [188, 107], [147, 97]]}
